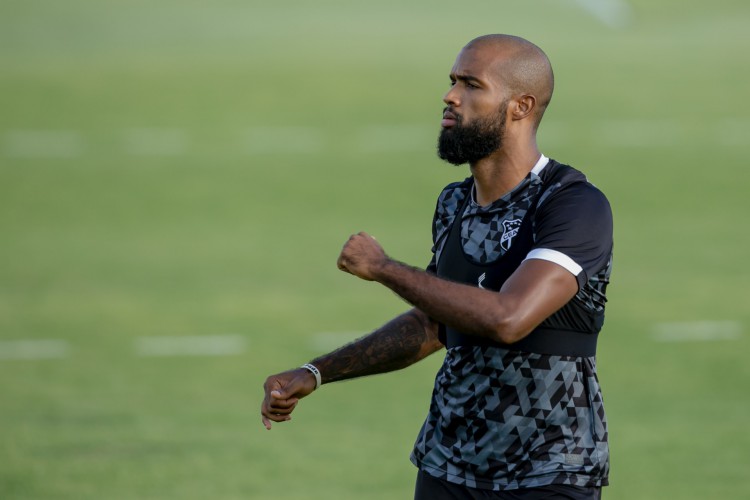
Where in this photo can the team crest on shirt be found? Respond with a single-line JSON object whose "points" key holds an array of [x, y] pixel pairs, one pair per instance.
{"points": [[510, 230]]}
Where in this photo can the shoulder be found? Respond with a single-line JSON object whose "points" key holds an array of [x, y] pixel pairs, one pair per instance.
{"points": [[451, 197], [569, 189], [574, 219], [573, 215]]}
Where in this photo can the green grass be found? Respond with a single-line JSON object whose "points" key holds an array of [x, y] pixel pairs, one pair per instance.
{"points": [[106, 246]]}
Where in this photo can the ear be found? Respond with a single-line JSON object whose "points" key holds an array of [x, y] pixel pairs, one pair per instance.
{"points": [[522, 106]]}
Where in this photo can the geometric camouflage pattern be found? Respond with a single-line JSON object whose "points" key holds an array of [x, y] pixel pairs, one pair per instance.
{"points": [[502, 419], [486, 232]]}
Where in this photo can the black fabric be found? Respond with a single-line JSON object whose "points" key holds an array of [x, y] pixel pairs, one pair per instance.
{"points": [[572, 220], [571, 331], [432, 488], [502, 419]]}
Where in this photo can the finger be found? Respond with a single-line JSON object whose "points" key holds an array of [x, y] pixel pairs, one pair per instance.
{"points": [[281, 411], [266, 423], [265, 411], [277, 396], [278, 407], [285, 395], [342, 266], [276, 416], [283, 404]]}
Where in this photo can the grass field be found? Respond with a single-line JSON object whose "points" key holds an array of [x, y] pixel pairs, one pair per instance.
{"points": [[173, 169]]}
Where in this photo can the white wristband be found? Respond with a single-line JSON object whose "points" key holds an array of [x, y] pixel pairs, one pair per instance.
{"points": [[314, 371]]}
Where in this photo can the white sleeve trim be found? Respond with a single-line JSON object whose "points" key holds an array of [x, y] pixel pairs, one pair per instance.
{"points": [[558, 258]]}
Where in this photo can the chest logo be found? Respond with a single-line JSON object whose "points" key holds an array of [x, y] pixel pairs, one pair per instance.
{"points": [[510, 230], [481, 279]]}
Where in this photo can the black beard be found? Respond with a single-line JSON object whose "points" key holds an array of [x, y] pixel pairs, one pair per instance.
{"points": [[470, 143]]}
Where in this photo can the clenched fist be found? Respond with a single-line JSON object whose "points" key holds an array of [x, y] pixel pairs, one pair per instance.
{"points": [[362, 256]]}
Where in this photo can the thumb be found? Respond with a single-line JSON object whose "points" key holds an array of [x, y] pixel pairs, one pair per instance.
{"points": [[289, 390], [280, 393]]}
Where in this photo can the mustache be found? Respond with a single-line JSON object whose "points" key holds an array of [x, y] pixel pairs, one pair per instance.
{"points": [[448, 112]]}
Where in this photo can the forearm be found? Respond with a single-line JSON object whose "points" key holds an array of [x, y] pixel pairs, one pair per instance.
{"points": [[535, 290], [399, 343], [466, 308]]}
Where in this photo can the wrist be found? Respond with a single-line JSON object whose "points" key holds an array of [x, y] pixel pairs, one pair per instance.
{"points": [[312, 369], [381, 271]]}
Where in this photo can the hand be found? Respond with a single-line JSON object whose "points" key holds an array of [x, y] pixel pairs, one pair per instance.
{"points": [[283, 392], [362, 256]]}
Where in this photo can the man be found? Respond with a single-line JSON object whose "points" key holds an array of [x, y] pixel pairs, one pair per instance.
{"points": [[515, 291]]}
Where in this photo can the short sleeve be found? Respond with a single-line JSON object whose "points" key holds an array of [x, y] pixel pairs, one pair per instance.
{"points": [[573, 228]]}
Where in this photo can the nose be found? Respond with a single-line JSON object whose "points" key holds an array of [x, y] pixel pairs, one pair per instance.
{"points": [[451, 98]]}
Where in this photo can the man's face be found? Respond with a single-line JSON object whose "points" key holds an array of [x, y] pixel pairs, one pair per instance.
{"points": [[474, 118], [468, 143]]}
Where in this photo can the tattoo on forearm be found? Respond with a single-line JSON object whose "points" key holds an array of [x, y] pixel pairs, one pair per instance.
{"points": [[393, 346]]}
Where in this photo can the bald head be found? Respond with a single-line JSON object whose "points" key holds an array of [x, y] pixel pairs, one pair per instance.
{"points": [[521, 65]]}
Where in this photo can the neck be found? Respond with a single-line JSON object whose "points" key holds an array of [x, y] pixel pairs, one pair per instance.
{"points": [[503, 170]]}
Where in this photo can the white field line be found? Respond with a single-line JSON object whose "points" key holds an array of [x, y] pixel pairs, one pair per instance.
{"points": [[151, 141], [201, 345], [43, 143], [155, 141], [283, 140], [328, 341], [386, 138], [697, 331], [33, 349], [613, 13]]}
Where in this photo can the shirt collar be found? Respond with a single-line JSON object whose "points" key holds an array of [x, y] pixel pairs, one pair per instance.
{"points": [[540, 164], [538, 167]]}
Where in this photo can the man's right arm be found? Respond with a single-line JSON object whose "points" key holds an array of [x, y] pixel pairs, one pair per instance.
{"points": [[403, 341]]}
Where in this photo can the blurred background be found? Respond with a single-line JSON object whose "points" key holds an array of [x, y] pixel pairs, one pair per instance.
{"points": [[177, 178]]}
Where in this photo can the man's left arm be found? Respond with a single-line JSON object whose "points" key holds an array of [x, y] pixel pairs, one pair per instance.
{"points": [[535, 291]]}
